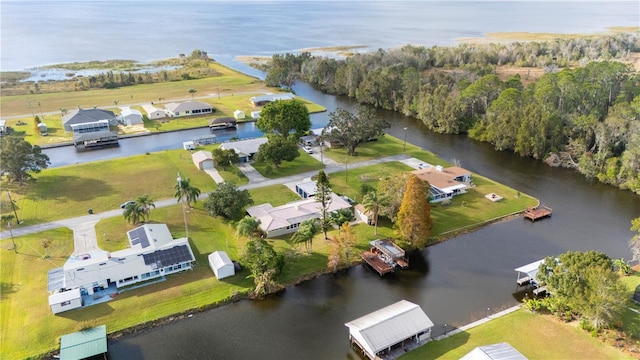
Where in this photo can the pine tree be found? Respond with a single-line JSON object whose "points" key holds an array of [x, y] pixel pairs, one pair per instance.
{"points": [[414, 217]]}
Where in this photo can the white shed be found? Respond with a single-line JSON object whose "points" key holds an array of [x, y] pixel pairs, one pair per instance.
{"points": [[221, 265], [202, 159], [238, 114], [130, 116], [64, 301], [188, 145], [153, 113], [255, 115]]}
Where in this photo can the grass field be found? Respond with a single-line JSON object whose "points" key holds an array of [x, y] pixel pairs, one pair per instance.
{"points": [[535, 336]]}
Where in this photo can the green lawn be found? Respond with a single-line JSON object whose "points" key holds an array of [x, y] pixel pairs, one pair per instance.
{"points": [[68, 191], [386, 145], [302, 163], [535, 336]]}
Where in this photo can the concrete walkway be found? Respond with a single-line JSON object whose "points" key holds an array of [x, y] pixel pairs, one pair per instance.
{"points": [[215, 175], [252, 174]]}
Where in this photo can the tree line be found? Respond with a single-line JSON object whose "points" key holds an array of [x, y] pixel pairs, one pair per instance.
{"points": [[582, 113]]}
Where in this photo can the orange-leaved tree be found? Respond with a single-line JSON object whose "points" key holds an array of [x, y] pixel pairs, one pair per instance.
{"points": [[414, 217]]}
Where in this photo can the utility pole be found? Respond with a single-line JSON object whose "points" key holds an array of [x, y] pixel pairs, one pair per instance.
{"points": [[13, 206], [404, 147]]}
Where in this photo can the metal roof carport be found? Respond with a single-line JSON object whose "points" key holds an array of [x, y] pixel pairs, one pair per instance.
{"points": [[84, 344], [382, 329]]}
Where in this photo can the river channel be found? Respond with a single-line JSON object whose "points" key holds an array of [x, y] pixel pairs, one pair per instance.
{"points": [[455, 282]]}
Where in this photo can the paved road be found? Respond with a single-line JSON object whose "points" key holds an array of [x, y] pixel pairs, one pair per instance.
{"points": [[84, 237]]}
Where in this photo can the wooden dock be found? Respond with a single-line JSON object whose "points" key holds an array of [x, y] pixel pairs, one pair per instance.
{"points": [[536, 213], [376, 262]]}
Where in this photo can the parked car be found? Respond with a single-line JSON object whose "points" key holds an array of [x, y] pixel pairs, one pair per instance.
{"points": [[126, 203], [348, 199], [307, 149]]}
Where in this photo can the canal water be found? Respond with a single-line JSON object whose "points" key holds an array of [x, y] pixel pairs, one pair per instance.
{"points": [[455, 282]]}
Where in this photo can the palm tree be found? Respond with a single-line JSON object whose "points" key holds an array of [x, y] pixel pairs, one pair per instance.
{"points": [[8, 219], [133, 213], [145, 203], [186, 193], [248, 226], [340, 217], [372, 202], [192, 91], [305, 233]]}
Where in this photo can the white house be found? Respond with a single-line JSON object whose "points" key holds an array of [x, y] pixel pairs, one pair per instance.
{"points": [[264, 99], [153, 113], [188, 108], [286, 219], [238, 114], [380, 331], [202, 159], [64, 301], [245, 149], [153, 253], [221, 264], [445, 182], [130, 116]]}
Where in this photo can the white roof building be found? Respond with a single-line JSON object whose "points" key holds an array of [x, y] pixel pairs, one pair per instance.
{"points": [[244, 148], [153, 113], [264, 99], [188, 108], [285, 219], [203, 159], [153, 253], [221, 264], [501, 351], [130, 116], [380, 330]]}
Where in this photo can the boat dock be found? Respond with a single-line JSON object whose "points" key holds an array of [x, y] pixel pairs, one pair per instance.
{"points": [[384, 256], [536, 213], [376, 263]]}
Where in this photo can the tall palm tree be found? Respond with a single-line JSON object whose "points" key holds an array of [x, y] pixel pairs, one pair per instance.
{"points": [[185, 193], [145, 203], [372, 202], [248, 226], [133, 213], [192, 91]]}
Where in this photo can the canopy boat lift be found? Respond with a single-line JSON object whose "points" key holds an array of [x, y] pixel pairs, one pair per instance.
{"points": [[527, 277]]}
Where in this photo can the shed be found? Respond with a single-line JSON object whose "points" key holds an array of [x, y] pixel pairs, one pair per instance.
{"points": [[221, 265], [66, 300], [255, 115], [384, 329], [202, 159], [238, 114], [307, 189], [42, 128], [84, 344], [130, 116], [364, 215], [153, 113], [189, 145], [501, 351]]}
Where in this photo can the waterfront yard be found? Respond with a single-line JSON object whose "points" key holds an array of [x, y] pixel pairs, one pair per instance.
{"points": [[28, 326]]}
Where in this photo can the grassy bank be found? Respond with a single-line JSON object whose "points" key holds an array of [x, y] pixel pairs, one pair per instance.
{"points": [[535, 336], [28, 328]]}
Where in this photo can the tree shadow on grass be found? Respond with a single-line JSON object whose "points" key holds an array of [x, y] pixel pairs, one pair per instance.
{"points": [[71, 188], [7, 288]]}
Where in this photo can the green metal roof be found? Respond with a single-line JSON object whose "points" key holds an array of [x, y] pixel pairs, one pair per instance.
{"points": [[84, 344]]}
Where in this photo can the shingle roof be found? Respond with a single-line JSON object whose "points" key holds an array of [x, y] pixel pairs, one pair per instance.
{"points": [[80, 116]]}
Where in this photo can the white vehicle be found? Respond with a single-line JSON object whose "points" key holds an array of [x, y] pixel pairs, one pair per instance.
{"points": [[307, 149]]}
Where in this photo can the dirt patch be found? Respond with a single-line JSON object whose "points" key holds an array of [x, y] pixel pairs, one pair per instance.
{"points": [[527, 74], [133, 129]]}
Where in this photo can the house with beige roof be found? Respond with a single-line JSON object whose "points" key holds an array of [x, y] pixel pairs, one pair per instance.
{"points": [[188, 108], [445, 183], [286, 219], [153, 113]]}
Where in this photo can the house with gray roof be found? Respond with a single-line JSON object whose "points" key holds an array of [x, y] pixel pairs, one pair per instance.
{"points": [[188, 108], [286, 219], [264, 99], [246, 149], [88, 120]]}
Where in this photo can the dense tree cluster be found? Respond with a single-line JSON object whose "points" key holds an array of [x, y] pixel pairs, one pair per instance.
{"points": [[584, 284], [228, 201], [582, 113], [264, 263]]}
